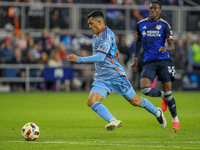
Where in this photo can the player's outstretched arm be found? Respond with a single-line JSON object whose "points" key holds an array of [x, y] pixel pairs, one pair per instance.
{"points": [[94, 58]]}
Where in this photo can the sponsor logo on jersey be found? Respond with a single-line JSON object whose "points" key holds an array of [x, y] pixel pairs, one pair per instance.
{"points": [[143, 33], [158, 27], [153, 33], [144, 27]]}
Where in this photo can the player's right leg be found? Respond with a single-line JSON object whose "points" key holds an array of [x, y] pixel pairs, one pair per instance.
{"points": [[97, 94]]}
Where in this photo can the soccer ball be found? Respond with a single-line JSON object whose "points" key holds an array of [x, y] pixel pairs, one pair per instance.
{"points": [[30, 131]]}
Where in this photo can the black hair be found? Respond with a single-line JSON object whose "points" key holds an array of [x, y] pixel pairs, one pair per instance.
{"points": [[157, 2], [95, 13]]}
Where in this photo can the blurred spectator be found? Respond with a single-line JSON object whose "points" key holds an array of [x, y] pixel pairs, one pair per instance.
{"points": [[69, 1], [17, 59], [43, 59], [48, 48], [179, 56], [46, 36], [135, 17], [66, 39], [6, 50], [14, 15], [128, 2], [37, 50], [194, 55], [33, 72], [20, 41], [124, 49], [55, 60], [176, 2], [30, 40], [115, 17], [36, 14], [59, 17], [48, 1], [61, 49], [144, 10], [85, 73]]}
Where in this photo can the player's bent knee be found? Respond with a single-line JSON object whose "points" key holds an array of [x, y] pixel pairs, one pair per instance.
{"points": [[146, 91], [90, 103], [135, 101]]}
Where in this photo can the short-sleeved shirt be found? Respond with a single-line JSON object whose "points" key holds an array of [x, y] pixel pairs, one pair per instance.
{"points": [[153, 35]]}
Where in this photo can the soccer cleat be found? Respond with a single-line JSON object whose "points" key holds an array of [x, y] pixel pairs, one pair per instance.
{"points": [[161, 119], [176, 125], [164, 104], [113, 125]]}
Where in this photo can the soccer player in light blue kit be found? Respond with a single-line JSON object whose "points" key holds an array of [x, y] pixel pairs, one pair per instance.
{"points": [[110, 75], [152, 33]]}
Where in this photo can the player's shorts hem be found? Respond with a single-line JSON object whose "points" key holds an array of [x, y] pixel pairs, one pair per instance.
{"points": [[150, 78], [129, 94], [100, 90]]}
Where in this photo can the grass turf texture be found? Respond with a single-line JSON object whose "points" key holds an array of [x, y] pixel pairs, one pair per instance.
{"points": [[66, 122]]}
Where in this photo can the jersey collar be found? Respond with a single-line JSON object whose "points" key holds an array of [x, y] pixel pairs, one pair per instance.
{"points": [[154, 21], [101, 30]]}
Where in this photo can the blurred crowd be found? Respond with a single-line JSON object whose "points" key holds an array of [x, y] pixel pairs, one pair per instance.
{"points": [[164, 2], [23, 48], [60, 17]]}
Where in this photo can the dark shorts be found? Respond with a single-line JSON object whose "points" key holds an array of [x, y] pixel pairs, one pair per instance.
{"points": [[164, 69]]}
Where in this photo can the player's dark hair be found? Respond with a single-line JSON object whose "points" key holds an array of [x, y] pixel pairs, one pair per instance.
{"points": [[95, 13], [157, 2]]}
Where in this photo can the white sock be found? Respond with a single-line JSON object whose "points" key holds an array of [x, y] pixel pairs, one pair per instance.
{"points": [[113, 119], [162, 95], [175, 119], [158, 114]]}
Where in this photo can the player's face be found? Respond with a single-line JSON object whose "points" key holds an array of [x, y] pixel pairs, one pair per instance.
{"points": [[94, 25], [154, 11]]}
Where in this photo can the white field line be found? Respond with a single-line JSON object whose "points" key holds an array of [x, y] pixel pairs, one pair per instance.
{"points": [[119, 143]]}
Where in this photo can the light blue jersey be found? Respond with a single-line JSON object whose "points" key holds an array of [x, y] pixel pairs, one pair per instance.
{"points": [[104, 51]]}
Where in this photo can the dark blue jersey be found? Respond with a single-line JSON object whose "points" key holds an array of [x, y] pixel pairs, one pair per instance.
{"points": [[153, 35]]}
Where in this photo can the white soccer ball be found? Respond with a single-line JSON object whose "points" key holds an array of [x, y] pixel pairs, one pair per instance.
{"points": [[30, 131]]}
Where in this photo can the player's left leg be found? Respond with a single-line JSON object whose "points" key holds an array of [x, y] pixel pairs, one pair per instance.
{"points": [[166, 74], [97, 94], [171, 104]]}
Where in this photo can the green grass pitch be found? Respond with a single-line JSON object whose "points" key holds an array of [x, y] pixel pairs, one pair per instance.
{"points": [[67, 123]]}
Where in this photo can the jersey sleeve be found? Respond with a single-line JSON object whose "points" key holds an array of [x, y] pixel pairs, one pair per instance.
{"points": [[168, 32], [139, 35], [94, 58], [105, 46]]}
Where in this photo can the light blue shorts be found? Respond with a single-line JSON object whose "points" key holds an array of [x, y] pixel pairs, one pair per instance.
{"points": [[119, 85]]}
